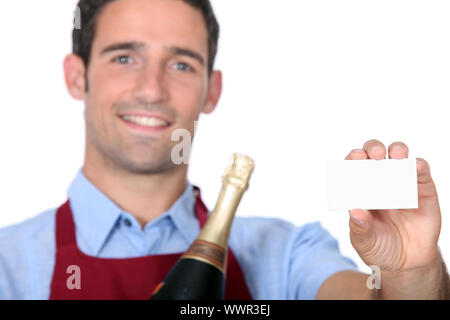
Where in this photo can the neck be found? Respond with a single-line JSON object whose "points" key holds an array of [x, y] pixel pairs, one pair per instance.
{"points": [[145, 196]]}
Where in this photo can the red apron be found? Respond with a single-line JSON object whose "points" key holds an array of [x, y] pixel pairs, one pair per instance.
{"points": [[121, 279]]}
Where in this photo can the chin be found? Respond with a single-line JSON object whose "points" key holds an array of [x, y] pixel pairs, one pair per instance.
{"points": [[149, 167]]}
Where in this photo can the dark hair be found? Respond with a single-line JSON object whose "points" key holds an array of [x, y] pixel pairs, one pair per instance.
{"points": [[88, 12]]}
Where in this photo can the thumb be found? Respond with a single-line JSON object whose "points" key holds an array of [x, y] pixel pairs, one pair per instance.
{"points": [[362, 231]]}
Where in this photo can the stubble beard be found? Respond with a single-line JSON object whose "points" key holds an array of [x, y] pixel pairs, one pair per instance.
{"points": [[144, 155], [119, 155]]}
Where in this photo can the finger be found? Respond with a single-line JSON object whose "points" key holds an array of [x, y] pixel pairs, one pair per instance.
{"points": [[356, 154], [375, 149], [398, 150], [423, 171], [362, 232]]}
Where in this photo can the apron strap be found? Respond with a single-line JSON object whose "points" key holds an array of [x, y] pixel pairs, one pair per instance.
{"points": [[65, 227], [200, 209]]}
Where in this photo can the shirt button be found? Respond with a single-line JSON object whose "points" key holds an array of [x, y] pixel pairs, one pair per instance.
{"points": [[127, 222]]}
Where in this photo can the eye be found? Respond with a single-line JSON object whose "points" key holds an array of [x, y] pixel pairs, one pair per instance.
{"points": [[181, 66], [123, 59]]}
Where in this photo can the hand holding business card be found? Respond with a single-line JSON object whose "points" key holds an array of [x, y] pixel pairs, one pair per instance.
{"points": [[395, 217]]}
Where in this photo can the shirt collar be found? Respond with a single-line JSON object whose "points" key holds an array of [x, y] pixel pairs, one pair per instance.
{"points": [[95, 215], [184, 216]]}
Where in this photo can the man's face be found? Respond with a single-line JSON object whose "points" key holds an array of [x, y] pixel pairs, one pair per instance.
{"points": [[147, 76]]}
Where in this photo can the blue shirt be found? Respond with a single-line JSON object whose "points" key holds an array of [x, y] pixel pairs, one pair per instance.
{"points": [[279, 260]]}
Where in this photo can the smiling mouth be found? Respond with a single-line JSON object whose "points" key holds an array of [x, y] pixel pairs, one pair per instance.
{"points": [[146, 121]]}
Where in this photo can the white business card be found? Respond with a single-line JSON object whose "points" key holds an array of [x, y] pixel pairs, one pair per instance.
{"points": [[372, 184]]}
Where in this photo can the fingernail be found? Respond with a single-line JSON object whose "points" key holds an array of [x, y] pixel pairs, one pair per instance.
{"points": [[396, 148], [359, 222], [378, 149]]}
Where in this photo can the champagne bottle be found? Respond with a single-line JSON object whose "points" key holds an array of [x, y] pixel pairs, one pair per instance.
{"points": [[200, 272]]}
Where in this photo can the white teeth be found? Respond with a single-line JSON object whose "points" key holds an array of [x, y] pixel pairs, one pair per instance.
{"points": [[146, 121]]}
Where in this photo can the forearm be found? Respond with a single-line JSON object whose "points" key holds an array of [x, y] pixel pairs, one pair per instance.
{"points": [[444, 292], [429, 283], [426, 283]]}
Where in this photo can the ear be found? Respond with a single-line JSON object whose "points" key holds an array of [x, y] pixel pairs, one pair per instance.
{"points": [[214, 92], [74, 75]]}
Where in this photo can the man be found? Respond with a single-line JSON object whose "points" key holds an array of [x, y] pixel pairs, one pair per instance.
{"points": [[144, 68]]}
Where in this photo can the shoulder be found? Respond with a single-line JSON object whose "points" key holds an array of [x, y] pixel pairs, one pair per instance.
{"points": [[29, 227], [26, 249]]}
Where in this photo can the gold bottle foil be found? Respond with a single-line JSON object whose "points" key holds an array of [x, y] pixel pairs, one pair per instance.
{"points": [[211, 245]]}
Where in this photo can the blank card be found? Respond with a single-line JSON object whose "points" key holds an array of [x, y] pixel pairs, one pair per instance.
{"points": [[372, 184]]}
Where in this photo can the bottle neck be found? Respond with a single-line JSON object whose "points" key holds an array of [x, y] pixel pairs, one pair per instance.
{"points": [[217, 228]]}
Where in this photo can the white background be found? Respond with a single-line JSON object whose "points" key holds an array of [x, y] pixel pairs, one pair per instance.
{"points": [[304, 81]]}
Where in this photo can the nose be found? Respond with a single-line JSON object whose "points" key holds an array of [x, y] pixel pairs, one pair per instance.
{"points": [[152, 86]]}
